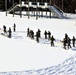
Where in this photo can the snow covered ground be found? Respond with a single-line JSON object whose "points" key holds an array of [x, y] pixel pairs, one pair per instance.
{"points": [[22, 54]]}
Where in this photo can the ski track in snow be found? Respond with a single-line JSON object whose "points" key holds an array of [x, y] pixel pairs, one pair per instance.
{"points": [[66, 68], [17, 35]]}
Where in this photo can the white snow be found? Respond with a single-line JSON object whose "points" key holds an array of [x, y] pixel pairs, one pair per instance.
{"points": [[21, 53]]}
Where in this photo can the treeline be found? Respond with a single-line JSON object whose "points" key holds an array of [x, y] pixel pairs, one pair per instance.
{"points": [[69, 6]]}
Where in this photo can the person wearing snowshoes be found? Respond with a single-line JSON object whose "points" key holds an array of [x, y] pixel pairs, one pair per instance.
{"points": [[32, 34], [4, 29], [49, 35], [14, 27], [9, 32], [39, 33], [69, 42], [37, 36], [28, 31], [73, 40], [52, 41], [45, 33], [66, 42]]}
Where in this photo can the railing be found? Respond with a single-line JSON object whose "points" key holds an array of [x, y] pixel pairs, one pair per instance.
{"points": [[35, 3], [12, 7], [59, 9], [56, 11]]}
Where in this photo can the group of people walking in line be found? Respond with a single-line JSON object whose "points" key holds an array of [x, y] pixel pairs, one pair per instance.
{"points": [[9, 32], [66, 40], [30, 33]]}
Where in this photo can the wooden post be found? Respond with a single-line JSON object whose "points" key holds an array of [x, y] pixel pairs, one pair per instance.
{"points": [[50, 11], [62, 4], [6, 6], [36, 10], [20, 8], [13, 9], [50, 14], [46, 11], [42, 10], [39, 12], [28, 9], [42, 13], [46, 7]]}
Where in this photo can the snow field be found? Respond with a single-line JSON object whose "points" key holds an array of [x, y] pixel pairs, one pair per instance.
{"points": [[22, 53]]}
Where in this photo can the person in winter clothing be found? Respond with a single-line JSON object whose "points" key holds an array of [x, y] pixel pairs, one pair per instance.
{"points": [[32, 34], [66, 37], [39, 33], [9, 32], [14, 27], [37, 37], [69, 42], [64, 43], [49, 34], [52, 41], [4, 28], [73, 41], [28, 31], [45, 33]]}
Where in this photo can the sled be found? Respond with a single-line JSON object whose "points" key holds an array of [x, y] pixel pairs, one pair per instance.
{"points": [[4, 34]]}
